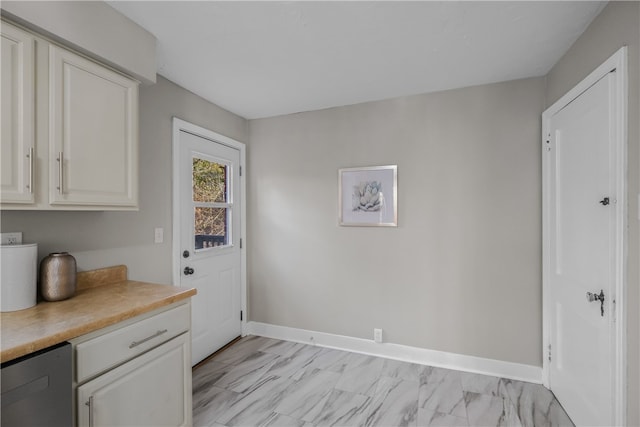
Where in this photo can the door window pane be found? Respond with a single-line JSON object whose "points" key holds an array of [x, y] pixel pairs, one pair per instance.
{"points": [[211, 227], [209, 181]]}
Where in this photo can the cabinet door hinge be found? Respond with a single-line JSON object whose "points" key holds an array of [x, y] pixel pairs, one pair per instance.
{"points": [[240, 315], [549, 352]]}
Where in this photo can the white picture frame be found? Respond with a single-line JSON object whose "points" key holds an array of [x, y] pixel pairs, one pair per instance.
{"points": [[368, 196]]}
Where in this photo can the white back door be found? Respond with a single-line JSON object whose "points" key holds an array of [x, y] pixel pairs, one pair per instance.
{"points": [[209, 210]]}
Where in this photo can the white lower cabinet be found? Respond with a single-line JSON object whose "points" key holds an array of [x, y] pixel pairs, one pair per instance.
{"points": [[143, 372], [150, 390]]}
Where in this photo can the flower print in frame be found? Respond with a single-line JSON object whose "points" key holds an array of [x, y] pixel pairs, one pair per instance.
{"points": [[368, 196]]}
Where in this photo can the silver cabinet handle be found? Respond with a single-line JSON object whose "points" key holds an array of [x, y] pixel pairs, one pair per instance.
{"points": [[89, 403], [157, 334], [30, 156], [60, 174]]}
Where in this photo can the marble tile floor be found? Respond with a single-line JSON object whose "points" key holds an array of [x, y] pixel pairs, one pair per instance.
{"points": [[265, 382]]}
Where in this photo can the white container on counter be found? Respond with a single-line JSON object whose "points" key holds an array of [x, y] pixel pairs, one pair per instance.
{"points": [[18, 276]]}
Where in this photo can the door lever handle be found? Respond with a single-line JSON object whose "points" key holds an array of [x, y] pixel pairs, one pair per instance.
{"points": [[591, 297], [604, 202], [188, 271]]}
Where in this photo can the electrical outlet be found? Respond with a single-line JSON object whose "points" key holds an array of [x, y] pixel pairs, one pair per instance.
{"points": [[11, 238], [377, 335], [158, 236]]}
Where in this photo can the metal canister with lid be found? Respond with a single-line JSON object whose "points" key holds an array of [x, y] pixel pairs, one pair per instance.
{"points": [[58, 276]]}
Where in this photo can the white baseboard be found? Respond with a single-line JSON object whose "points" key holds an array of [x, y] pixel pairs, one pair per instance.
{"points": [[442, 359]]}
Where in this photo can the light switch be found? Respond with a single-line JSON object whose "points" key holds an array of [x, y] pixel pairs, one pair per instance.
{"points": [[158, 235]]}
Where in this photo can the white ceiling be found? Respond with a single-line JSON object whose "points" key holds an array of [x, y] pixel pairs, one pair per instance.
{"points": [[262, 59]]}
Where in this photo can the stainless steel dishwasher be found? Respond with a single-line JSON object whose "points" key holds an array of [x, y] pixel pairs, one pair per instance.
{"points": [[37, 390]]}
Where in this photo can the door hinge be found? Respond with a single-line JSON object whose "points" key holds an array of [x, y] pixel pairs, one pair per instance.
{"points": [[240, 170], [241, 243], [549, 352], [240, 315]]}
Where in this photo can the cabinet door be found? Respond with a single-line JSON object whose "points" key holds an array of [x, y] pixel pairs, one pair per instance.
{"points": [[93, 134], [151, 390], [17, 128]]}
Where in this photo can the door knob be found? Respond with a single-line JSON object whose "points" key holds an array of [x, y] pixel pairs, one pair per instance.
{"points": [[591, 297], [188, 271], [185, 254]]}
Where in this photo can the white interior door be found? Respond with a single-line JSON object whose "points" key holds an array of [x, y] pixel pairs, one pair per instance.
{"points": [[209, 211], [582, 225]]}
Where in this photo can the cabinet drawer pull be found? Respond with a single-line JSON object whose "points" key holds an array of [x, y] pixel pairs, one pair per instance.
{"points": [[31, 170], [157, 334], [60, 174], [89, 403]]}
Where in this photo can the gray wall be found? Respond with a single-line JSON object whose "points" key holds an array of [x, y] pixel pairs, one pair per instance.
{"points": [[617, 25], [461, 273], [99, 239]]}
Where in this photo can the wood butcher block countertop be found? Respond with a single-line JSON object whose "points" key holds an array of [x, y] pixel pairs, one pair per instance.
{"points": [[103, 298]]}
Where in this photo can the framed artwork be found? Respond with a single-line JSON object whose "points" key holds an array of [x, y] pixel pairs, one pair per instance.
{"points": [[368, 196]]}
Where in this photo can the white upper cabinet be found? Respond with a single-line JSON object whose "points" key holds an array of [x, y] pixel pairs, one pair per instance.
{"points": [[17, 115], [93, 132], [69, 129]]}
